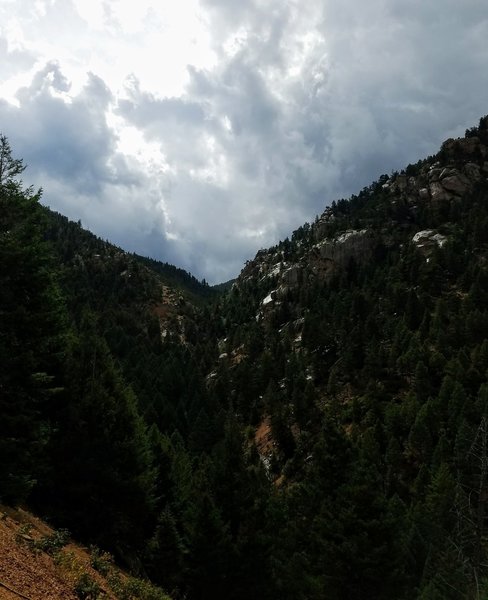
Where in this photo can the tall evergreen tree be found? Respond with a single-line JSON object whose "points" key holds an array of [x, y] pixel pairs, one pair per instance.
{"points": [[101, 484], [31, 329]]}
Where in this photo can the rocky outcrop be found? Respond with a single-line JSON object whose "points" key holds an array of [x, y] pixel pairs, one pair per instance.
{"points": [[320, 262], [462, 163], [356, 244], [468, 146], [429, 238], [439, 182], [320, 226]]}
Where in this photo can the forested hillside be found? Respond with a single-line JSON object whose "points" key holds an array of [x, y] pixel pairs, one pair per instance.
{"points": [[318, 430]]}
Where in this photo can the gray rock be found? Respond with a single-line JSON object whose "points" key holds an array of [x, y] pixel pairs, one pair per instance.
{"points": [[292, 275], [350, 244], [458, 184], [434, 174], [472, 171], [447, 172], [438, 193], [427, 240], [471, 145], [401, 182]]}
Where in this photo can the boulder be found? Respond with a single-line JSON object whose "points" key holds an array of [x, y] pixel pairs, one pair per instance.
{"points": [[428, 239], [434, 173], [447, 172], [458, 184], [438, 193]]}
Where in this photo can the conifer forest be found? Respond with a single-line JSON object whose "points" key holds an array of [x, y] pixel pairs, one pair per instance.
{"points": [[316, 429]]}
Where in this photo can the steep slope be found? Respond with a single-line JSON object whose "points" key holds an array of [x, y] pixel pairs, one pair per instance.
{"points": [[381, 218], [138, 303], [39, 563], [360, 347]]}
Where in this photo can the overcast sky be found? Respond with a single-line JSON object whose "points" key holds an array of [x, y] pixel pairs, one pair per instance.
{"points": [[199, 131]]}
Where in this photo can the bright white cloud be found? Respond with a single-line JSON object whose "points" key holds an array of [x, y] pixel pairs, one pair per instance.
{"points": [[201, 130]]}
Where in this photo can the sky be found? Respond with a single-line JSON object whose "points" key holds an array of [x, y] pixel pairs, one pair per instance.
{"points": [[199, 131]]}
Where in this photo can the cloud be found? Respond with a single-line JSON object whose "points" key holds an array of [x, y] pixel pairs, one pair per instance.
{"points": [[75, 159], [72, 140], [294, 105], [13, 60]]}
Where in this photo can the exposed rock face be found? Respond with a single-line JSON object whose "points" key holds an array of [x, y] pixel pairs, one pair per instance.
{"points": [[449, 181], [320, 226], [428, 235], [402, 182], [434, 173], [331, 254], [356, 244], [462, 164], [320, 262], [428, 239], [463, 146], [292, 275]]}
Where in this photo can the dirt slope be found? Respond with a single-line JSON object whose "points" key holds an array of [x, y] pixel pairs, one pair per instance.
{"points": [[27, 571]]}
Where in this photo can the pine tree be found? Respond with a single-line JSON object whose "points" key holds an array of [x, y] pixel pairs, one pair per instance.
{"points": [[101, 484], [31, 332]]}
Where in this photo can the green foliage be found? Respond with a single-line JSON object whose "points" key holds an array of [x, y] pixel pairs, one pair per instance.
{"points": [[31, 330], [10, 167], [86, 588], [51, 544], [106, 490], [100, 561], [133, 588]]}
